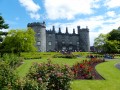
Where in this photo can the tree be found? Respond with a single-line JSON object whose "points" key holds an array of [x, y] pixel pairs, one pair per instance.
{"points": [[114, 35], [2, 26], [18, 41], [102, 44], [99, 42], [2, 23]]}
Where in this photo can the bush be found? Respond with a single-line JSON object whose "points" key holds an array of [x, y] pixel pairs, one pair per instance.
{"points": [[12, 60], [70, 56], [7, 76], [55, 77]]}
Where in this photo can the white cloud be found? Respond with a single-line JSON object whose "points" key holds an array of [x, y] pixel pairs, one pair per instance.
{"points": [[111, 14], [31, 7], [112, 3], [35, 15], [68, 9]]}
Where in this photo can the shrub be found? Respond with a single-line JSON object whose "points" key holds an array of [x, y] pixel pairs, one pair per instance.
{"points": [[12, 60], [64, 56], [55, 77], [7, 76]]}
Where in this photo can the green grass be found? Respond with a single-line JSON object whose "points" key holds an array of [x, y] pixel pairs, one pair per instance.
{"points": [[23, 69], [107, 70]]}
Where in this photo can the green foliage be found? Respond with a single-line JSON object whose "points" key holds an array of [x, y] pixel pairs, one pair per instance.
{"points": [[114, 35], [31, 84], [31, 55], [54, 76], [100, 41], [104, 45], [18, 41], [2, 23], [7, 76], [12, 60], [66, 55]]}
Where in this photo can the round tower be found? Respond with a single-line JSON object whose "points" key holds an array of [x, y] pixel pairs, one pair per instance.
{"points": [[84, 39], [40, 36]]}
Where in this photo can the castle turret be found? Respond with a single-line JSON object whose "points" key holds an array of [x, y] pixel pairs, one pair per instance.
{"points": [[84, 39], [73, 31], [40, 29], [78, 28], [59, 30], [53, 29], [66, 30]]}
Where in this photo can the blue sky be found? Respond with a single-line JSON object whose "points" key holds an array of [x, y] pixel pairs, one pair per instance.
{"points": [[101, 16]]}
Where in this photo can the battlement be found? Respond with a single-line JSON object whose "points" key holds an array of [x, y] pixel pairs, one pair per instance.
{"points": [[36, 24]]}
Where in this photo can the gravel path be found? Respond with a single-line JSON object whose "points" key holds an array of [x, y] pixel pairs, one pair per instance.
{"points": [[118, 65]]}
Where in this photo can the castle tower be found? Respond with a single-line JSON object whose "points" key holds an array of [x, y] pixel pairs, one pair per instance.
{"points": [[66, 30], [84, 39], [40, 30]]}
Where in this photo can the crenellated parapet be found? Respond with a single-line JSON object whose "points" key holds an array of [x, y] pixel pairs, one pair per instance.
{"points": [[34, 24]]}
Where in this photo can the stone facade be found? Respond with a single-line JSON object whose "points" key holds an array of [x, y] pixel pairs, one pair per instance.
{"points": [[50, 40]]}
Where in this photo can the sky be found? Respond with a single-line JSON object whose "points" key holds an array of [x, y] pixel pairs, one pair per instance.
{"points": [[100, 16]]}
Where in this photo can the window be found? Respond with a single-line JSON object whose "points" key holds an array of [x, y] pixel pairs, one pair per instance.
{"points": [[70, 48], [38, 34], [50, 35], [38, 43], [63, 42], [70, 42], [50, 43], [77, 43], [63, 48]]}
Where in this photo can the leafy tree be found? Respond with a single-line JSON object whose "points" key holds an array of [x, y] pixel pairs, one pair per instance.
{"points": [[18, 41], [114, 35], [102, 44], [111, 46], [99, 42]]}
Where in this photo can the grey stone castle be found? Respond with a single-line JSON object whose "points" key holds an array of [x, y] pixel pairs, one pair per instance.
{"points": [[50, 40]]}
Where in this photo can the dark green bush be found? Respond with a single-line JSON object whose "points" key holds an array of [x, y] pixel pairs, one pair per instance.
{"points": [[70, 56]]}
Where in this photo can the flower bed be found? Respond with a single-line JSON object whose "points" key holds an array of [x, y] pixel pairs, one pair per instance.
{"points": [[86, 69]]}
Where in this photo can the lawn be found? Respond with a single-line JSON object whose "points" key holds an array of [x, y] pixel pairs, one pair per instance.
{"points": [[106, 69]]}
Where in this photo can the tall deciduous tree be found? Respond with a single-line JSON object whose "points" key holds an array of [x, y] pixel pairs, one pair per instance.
{"points": [[102, 44], [114, 35], [18, 41], [99, 42]]}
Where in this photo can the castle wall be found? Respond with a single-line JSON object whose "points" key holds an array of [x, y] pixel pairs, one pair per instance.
{"points": [[52, 41], [67, 42]]}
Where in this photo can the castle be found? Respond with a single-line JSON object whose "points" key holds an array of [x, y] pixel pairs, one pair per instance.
{"points": [[50, 40]]}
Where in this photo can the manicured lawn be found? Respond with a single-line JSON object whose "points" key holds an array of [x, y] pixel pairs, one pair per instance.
{"points": [[106, 69], [23, 69]]}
